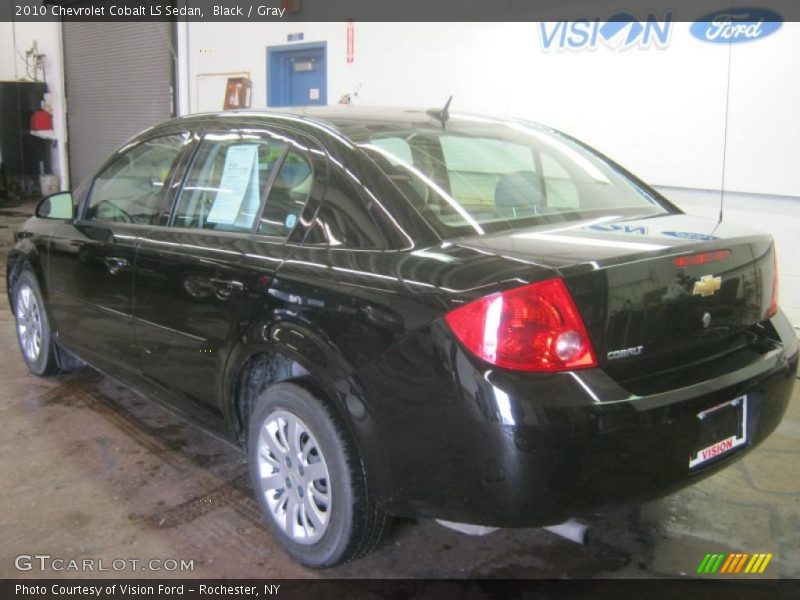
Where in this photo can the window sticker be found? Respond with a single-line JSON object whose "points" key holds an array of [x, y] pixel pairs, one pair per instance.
{"points": [[239, 185]]}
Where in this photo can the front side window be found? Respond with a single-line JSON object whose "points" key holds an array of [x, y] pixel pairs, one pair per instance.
{"points": [[477, 176], [224, 188], [132, 188]]}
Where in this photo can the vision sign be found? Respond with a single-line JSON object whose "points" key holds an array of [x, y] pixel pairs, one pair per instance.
{"points": [[621, 32], [735, 26]]}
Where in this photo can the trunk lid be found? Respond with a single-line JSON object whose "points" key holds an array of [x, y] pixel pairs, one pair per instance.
{"points": [[645, 313]]}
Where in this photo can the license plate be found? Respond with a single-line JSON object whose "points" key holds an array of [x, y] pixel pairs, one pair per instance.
{"points": [[722, 429]]}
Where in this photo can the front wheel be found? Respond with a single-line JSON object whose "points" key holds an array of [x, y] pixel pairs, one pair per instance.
{"points": [[309, 479], [33, 329]]}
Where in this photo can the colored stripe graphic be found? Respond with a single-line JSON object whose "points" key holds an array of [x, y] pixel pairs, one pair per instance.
{"points": [[703, 563], [740, 563], [753, 564], [718, 562], [758, 563], [765, 563], [726, 566], [711, 563], [722, 563]]}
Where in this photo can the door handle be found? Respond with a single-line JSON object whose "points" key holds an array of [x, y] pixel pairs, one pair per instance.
{"points": [[115, 264], [232, 285]]}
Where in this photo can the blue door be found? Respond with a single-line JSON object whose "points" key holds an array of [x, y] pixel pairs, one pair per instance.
{"points": [[297, 75]]}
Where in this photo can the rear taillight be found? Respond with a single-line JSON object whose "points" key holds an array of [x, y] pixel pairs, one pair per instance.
{"points": [[531, 328], [773, 303]]}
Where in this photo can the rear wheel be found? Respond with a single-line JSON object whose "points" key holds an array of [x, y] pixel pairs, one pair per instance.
{"points": [[309, 479], [33, 328]]}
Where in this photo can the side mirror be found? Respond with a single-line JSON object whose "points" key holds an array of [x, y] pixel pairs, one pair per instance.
{"points": [[56, 206]]}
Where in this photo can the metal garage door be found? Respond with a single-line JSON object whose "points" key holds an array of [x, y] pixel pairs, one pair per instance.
{"points": [[119, 81]]}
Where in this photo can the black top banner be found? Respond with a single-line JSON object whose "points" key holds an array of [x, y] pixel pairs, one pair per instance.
{"points": [[398, 10]]}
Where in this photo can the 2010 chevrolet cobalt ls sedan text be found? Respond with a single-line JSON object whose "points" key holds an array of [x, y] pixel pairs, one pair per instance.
{"points": [[411, 313]]}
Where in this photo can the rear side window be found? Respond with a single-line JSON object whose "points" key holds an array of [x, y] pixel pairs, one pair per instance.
{"points": [[397, 149], [287, 196], [346, 218], [131, 189], [226, 184]]}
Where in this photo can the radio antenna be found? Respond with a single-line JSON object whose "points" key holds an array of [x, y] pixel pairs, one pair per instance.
{"points": [[725, 133], [441, 114]]}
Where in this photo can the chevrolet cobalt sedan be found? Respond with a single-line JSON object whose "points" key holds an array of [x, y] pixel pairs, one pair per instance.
{"points": [[412, 313]]}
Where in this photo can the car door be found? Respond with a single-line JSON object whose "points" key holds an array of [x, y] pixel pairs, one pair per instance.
{"points": [[91, 259], [202, 281]]}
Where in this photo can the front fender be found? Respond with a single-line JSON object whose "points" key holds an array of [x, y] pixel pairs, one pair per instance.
{"points": [[25, 254]]}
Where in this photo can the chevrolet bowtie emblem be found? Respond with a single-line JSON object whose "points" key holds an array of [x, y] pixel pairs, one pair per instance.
{"points": [[707, 286]]}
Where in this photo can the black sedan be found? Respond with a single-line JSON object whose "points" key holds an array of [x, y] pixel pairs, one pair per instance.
{"points": [[414, 313]]}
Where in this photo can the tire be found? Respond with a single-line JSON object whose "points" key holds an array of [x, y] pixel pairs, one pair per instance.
{"points": [[316, 474], [33, 329]]}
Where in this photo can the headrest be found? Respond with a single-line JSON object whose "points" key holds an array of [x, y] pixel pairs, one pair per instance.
{"points": [[293, 174]]}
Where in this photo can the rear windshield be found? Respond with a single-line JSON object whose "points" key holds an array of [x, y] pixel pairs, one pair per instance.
{"points": [[478, 176]]}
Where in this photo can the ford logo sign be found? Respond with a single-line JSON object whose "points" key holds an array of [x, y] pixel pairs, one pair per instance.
{"points": [[732, 26]]}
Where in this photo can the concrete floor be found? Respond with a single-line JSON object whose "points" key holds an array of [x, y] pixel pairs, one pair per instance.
{"points": [[91, 470]]}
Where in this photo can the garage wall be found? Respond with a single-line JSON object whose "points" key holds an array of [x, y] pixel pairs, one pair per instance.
{"points": [[119, 81], [6, 52], [764, 119], [598, 95]]}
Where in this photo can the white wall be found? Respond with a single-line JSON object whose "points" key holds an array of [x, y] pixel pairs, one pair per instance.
{"points": [[6, 52], [764, 120], [659, 112], [48, 37]]}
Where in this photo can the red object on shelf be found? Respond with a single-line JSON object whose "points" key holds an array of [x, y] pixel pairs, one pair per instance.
{"points": [[41, 120]]}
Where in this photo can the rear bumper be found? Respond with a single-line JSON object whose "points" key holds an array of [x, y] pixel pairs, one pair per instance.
{"points": [[474, 445]]}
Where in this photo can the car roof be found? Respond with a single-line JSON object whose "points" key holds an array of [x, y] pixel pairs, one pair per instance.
{"points": [[344, 119]]}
